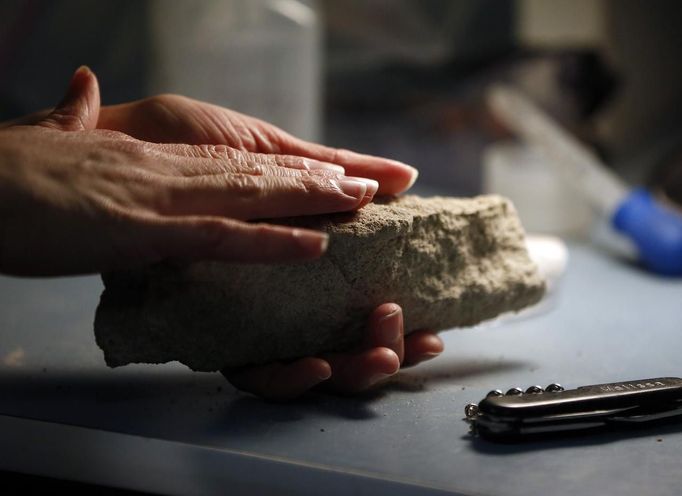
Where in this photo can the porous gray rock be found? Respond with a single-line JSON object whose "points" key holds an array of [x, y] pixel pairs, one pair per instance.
{"points": [[449, 262]]}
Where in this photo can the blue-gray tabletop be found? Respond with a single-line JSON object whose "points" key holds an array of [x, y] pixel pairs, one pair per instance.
{"points": [[163, 428]]}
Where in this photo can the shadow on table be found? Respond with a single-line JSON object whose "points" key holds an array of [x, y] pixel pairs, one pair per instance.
{"points": [[174, 403], [110, 386], [450, 370], [252, 416]]}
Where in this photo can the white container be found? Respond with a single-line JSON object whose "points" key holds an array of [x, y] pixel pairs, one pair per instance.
{"points": [[260, 57]]}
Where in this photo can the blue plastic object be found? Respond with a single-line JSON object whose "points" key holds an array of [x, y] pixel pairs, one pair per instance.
{"points": [[655, 229]]}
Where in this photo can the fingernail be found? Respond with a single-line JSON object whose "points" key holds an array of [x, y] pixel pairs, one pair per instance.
{"points": [[415, 175], [312, 242], [78, 73], [372, 185], [317, 165], [389, 325], [82, 71], [354, 188], [323, 376]]}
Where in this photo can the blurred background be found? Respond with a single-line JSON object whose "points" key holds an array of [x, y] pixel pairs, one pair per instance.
{"points": [[405, 79]]}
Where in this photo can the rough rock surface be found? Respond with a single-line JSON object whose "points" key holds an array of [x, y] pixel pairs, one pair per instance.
{"points": [[449, 262]]}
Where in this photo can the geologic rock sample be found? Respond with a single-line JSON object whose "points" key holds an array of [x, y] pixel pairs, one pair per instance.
{"points": [[449, 262]]}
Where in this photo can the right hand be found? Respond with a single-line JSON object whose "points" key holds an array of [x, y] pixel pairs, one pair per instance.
{"points": [[383, 353], [77, 200]]}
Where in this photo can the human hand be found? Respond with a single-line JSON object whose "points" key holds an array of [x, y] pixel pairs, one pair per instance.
{"points": [[173, 118], [177, 119], [77, 200], [384, 351]]}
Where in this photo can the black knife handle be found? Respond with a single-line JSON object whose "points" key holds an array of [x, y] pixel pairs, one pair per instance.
{"points": [[537, 410]]}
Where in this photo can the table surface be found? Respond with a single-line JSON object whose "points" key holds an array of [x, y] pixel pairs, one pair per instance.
{"points": [[163, 428]]}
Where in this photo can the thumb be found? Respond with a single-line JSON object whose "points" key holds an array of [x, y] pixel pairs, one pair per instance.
{"points": [[79, 109]]}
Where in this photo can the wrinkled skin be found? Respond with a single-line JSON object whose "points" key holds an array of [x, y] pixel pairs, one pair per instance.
{"points": [[85, 189]]}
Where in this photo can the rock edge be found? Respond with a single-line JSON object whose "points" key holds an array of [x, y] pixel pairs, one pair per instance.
{"points": [[448, 262]]}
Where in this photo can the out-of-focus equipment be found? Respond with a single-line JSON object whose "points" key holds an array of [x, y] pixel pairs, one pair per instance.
{"points": [[653, 226]]}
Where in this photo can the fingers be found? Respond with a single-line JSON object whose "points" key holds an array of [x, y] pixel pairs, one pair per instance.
{"points": [[355, 372], [421, 346], [385, 329], [352, 373], [394, 177], [219, 180], [242, 159], [173, 119], [79, 109], [380, 357], [248, 197], [359, 371], [340, 372], [280, 381], [207, 238]]}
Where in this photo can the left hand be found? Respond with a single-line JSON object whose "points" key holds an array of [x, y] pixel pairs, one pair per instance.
{"points": [[177, 119], [385, 350]]}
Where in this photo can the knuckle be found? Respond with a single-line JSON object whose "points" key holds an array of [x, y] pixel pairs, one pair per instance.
{"points": [[257, 170], [260, 165], [245, 185], [220, 152], [238, 159], [291, 173], [308, 184], [232, 153], [291, 161], [314, 184], [249, 159]]}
